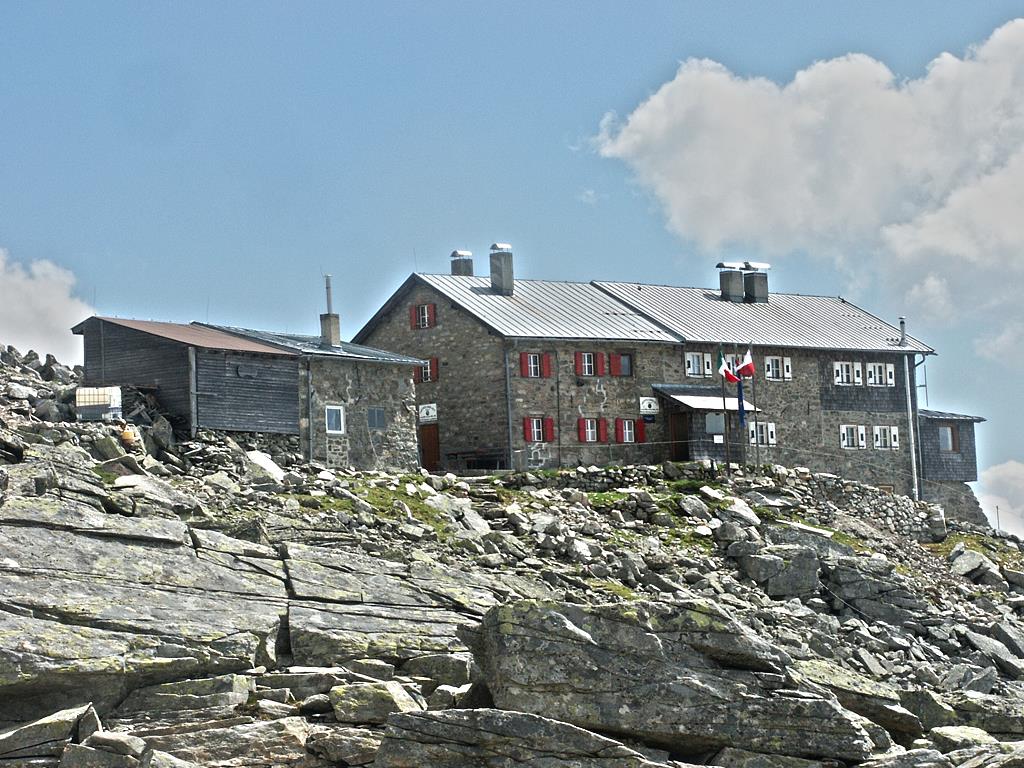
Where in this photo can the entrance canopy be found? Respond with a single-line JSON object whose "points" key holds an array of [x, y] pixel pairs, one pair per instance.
{"points": [[702, 398]]}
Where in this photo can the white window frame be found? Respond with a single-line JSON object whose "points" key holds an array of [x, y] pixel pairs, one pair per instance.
{"points": [[327, 419], [629, 430], [886, 438], [762, 433], [947, 429], [876, 375], [533, 365], [695, 365], [590, 431], [425, 373], [422, 315], [587, 364], [537, 429], [847, 374], [853, 437], [890, 375], [778, 368]]}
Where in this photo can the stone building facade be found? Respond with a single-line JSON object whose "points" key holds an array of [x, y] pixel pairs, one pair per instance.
{"points": [[505, 387]]}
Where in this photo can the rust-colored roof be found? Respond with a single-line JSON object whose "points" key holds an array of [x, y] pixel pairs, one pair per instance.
{"points": [[197, 336]]}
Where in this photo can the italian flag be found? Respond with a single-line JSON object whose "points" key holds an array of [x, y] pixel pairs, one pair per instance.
{"points": [[725, 370], [747, 365]]}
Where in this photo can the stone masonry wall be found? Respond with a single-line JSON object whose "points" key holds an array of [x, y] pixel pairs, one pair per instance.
{"points": [[472, 413], [358, 386]]}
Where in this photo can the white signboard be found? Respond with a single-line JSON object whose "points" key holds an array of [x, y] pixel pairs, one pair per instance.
{"points": [[649, 405], [428, 413]]}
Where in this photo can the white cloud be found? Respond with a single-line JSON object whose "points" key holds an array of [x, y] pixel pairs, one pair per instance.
{"points": [[590, 197], [1003, 485], [37, 308], [899, 182]]}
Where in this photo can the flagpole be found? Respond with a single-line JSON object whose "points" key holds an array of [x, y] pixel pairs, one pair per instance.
{"points": [[753, 400], [743, 435], [725, 416]]}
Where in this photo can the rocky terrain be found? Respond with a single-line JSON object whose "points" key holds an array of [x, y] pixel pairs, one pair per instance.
{"points": [[207, 603]]}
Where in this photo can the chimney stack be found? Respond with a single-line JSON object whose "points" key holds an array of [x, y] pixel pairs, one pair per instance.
{"points": [[903, 331], [755, 287], [462, 263], [731, 283], [743, 281], [502, 281], [330, 323]]}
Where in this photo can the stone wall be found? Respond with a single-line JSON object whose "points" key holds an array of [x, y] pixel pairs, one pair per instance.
{"points": [[472, 412], [358, 386]]}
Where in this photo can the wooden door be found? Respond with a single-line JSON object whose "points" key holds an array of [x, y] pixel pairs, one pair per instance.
{"points": [[430, 447], [679, 435]]}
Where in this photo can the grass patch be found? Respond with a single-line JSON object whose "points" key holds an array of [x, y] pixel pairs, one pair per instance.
{"points": [[606, 498], [993, 549], [613, 587], [108, 478]]}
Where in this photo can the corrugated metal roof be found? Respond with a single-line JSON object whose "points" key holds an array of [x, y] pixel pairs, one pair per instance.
{"points": [[310, 345], [195, 335], [548, 309], [787, 320], [946, 416]]}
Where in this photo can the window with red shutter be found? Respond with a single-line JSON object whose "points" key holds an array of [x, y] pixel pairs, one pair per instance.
{"points": [[641, 432], [549, 429], [434, 369], [528, 429], [619, 430], [579, 363], [545, 365], [524, 364], [599, 363], [615, 364], [581, 430], [417, 374], [431, 315], [602, 430]]}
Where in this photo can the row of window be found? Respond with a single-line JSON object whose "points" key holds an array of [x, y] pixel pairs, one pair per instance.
{"points": [[700, 365], [334, 419], [849, 374], [538, 365], [541, 429], [855, 436]]}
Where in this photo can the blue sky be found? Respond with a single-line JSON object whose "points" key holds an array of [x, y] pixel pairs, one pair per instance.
{"points": [[186, 161]]}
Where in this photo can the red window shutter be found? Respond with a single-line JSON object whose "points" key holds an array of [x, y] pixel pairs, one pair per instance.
{"points": [[545, 365], [417, 374], [619, 430], [412, 316], [602, 430], [433, 369], [615, 364], [599, 363], [431, 315], [524, 364], [528, 429], [638, 431], [549, 429], [581, 429], [579, 363]]}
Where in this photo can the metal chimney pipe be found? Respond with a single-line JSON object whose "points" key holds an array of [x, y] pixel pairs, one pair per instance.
{"points": [[903, 331], [330, 323], [327, 285]]}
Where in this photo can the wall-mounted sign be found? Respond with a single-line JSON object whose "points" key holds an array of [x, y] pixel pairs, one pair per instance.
{"points": [[649, 405], [428, 413]]}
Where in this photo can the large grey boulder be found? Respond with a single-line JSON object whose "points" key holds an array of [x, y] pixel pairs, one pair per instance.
{"points": [[783, 570], [261, 743], [687, 678], [370, 703], [490, 738], [43, 738], [106, 603]]}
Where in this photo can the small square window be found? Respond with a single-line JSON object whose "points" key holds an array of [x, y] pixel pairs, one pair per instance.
{"points": [[375, 418], [335, 419], [949, 438]]}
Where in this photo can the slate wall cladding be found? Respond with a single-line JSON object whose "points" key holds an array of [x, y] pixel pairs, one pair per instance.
{"points": [[960, 466], [358, 386], [470, 390]]}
